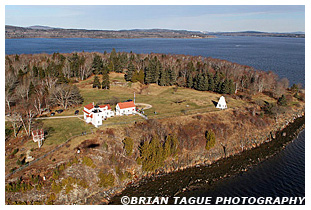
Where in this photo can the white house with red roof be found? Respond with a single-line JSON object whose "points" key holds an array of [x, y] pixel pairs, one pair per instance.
{"points": [[96, 114], [125, 108]]}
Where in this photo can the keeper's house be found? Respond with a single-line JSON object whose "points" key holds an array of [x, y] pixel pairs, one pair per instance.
{"points": [[125, 108], [96, 114]]}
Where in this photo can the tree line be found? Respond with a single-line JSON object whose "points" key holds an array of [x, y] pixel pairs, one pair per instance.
{"points": [[37, 82]]}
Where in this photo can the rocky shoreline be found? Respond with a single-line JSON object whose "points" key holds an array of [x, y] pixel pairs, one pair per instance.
{"points": [[195, 176]]}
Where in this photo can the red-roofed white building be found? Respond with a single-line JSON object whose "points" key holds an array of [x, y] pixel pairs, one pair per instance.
{"points": [[96, 114], [125, 108]]}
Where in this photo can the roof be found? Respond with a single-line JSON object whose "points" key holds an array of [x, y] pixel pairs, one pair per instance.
{"points": [[89, 106], [125, 105], [86, 112], [37, 132], [103, 106]]}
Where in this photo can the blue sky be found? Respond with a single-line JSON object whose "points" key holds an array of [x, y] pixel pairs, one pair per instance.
{"points": [[201, 18]]}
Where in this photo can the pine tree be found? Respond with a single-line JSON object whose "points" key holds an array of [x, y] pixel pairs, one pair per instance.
{"points": [[135, 76], [163, 80], [225, 87], [231, 87], [141, 77], [211, 84], [96, 82], [189, 81], [105, 82], [172, 76], [217, 82], [97, 64], [148, 74], [200, 85], [190, 67], [130, 72], [205, 82]]}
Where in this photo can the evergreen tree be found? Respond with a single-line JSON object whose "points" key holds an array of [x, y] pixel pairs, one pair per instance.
{"points": [[157, 72], [190, 67], [200, 85], [282, 101], [130, 72], [135, 76], [97, 64], [172, 76], [106, 82], [211, 84], [225, 87], [205, 82], [141, 77], [189, 81], [96, 82], [149, 73], [110, 66], [231, 87], [163, 80], [217, 82]]}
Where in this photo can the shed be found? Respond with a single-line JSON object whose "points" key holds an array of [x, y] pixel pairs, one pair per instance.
{"points": [[222, 103]]}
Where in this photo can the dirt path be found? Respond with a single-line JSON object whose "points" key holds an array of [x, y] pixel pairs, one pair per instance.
{"points": [[147, 106]]}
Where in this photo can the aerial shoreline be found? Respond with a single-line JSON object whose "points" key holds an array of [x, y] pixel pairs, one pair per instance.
{"points": [[217, 170], [14, 32], [186, 113]]}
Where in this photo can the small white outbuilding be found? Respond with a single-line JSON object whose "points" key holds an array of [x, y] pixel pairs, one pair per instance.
{"points": [[222, 103]]}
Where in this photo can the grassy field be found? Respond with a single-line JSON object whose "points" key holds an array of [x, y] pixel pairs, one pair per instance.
{"points": [[59, 130], [165, 101]]}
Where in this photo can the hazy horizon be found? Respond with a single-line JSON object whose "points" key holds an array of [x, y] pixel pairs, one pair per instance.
{"points": [[210, 18]]}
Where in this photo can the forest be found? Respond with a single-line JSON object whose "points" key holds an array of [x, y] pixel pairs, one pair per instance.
{"points": [[35, 83]]}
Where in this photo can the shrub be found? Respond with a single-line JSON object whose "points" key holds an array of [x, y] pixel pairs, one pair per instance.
{"points": [[282, 101], [210, 139], [105, 180], [128, 145], [51, 199], [88, 161], [15, 151], [83, 183], [56, 188]]}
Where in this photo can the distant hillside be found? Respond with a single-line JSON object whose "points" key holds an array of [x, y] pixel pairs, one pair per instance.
{"points": [[13, 32], [258, 33], [40, 27]]}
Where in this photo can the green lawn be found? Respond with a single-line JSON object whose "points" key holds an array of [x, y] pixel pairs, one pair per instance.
{"points": [[59, 130]]}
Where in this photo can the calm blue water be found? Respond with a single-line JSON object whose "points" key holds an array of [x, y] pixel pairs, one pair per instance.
{"points": [[284, 56], [282, 175]]}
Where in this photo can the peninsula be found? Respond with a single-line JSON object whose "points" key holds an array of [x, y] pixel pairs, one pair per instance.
{"points": [[178, 126]]}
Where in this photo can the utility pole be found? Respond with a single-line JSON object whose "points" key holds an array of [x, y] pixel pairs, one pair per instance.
{"points": [[134, 97]]}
